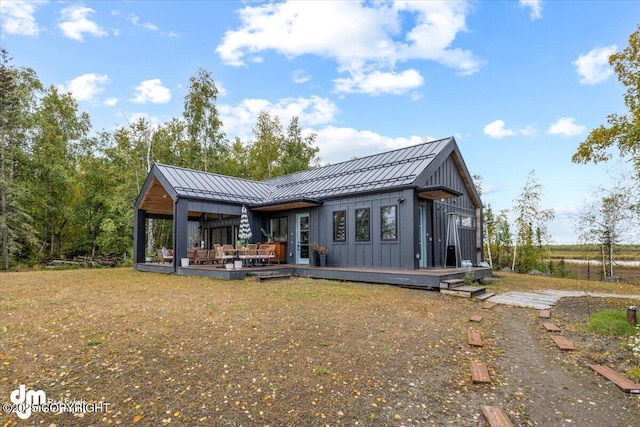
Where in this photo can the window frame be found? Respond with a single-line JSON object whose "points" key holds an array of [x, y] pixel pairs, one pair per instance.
{"points": [[358, 224], [383, 222], [335, 229]]}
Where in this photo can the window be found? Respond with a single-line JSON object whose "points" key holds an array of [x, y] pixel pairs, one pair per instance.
{"points": [[279, 229], [388, 223], [340, 226], [466, 221], [363, 233]]}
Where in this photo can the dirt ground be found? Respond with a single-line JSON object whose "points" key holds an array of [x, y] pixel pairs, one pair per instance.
{"points": [[167, 350]]}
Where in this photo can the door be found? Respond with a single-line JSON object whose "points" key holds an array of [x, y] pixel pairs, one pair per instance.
{"points": [[423, 238], [303, 229]]}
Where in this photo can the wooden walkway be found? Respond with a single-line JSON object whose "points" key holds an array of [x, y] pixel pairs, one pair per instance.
{"points": [[544, 300]]}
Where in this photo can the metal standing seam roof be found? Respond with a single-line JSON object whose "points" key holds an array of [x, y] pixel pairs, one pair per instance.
{"points": [[397, 168]]}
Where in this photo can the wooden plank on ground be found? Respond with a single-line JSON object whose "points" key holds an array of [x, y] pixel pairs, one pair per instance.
{"points": [[545, 314], [624, 383], [496, 417], [475, 339], [562, 342], [488, 305], [476, 318], [479, 372], [551, 327]]}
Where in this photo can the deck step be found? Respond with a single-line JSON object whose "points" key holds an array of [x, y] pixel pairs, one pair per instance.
{"points": [[451, 283], [496, 417], [270, 275], [485, 296], [475, 339], [464, 291], [479, 372], [624, 383], [563, 343], [551, 327]]}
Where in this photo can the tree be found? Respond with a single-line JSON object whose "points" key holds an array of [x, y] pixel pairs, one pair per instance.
{"points": [[204, 127], [623, 131], [19, 88], [298, 152], [58, 133], [609, 220], [264, 152], [531, 223]]}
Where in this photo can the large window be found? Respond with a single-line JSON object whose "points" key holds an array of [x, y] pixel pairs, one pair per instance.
{"points": [[279, 229], [389, 223], [340, 226], [363, 229]]}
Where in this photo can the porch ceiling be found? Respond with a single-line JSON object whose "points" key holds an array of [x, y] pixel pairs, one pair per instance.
{"points": [[439, 192], [285, 206], [157, 200]]}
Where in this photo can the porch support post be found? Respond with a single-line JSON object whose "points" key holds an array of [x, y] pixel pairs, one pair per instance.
{"points": [[479, 235], [180, 230], [139, 235]]}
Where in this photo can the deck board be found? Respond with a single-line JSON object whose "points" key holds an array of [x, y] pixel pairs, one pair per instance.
{"points": [[479, 373], [623, 383], [476, 318], [563, 343], [475, 339], [496, 417], [544, 314]]}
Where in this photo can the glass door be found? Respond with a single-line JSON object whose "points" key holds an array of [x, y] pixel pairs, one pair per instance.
{"points": [[303, 230], [422, 235]]}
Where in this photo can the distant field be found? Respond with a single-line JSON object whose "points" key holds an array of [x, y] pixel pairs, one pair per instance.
{"points": [[593, 252]]}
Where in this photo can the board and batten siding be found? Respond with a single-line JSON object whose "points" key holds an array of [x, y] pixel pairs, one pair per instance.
{"points": [[376, 253]]}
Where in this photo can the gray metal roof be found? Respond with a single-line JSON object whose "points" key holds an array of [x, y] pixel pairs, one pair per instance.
{"points": [[392, 169]]}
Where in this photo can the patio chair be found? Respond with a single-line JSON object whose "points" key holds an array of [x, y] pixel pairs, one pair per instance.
{"points": [[164, 256], [266, 253], [249, 253], [222, 256], [202, 256], [191, 254]]}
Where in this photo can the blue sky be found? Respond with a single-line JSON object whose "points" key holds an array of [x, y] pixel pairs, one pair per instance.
{"points": [[518, 83]]}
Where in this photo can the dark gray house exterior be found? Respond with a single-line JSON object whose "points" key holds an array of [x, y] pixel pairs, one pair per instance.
{"points": [[394, 210]]}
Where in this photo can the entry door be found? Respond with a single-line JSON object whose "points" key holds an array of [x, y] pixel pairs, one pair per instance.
{"points": [[302, 227], [422, 235]]}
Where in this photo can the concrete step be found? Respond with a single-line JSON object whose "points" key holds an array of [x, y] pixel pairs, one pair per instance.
{"points": [[465, 291]]}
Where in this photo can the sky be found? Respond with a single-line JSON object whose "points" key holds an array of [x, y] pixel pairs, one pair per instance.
{"points": [[519, 84]]}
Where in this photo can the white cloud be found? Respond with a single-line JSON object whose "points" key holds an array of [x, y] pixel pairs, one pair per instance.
{"points": [[374, 31], [300, 76], [239, 119], [489, 188], [535, 6], [136, 21], [496, 129], [16, 17], [111, 102], [378, 82], [566, 126], [594, 67], [86, 86], [151, 91], [75, 23], [338, 144]]}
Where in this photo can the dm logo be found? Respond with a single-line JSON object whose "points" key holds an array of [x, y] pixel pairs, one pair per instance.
{"points": [[25, 400]]}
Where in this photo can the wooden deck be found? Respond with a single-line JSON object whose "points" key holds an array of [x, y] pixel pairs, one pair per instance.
{"points": [[421, 279]]}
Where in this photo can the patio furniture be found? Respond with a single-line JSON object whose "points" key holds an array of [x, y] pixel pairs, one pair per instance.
{"points": [[249, 253], [165, 255], [202, 256], [266, 253], [191, 254]]}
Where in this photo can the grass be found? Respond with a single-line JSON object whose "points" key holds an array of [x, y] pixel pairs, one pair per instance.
{"points": [[195, 351], [611, 322]]}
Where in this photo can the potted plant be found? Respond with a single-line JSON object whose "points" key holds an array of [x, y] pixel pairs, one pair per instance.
{"points": [[322, 254], [267, 236]]}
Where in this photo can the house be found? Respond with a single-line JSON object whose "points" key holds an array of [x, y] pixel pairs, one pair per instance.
{"points": [[406, 209]]}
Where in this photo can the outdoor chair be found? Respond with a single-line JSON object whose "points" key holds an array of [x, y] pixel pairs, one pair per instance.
{"points": [[191, 254], [202, 256], [266, 253], [222, 256], [164, 256], [249, 253]]}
